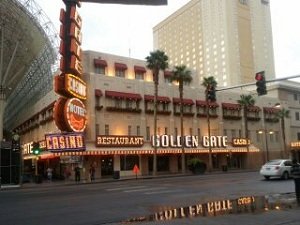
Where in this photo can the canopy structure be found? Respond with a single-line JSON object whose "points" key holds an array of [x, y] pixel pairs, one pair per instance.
{"points": [[28, 58]]}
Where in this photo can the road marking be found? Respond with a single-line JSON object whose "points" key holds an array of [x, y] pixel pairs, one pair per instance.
{"points": [[124, 188], [145, 189], [161, 192]]}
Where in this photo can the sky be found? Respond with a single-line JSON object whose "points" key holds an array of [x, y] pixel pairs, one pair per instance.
{"points": [[126, 30]]}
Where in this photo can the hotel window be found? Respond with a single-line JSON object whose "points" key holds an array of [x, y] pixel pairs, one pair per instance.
{"points": [[233, 133], [244, 2], [129, 130], [139, 75], [297, 115], [120, 69], [298, 136], [120, 73], [165, 106], [138, 130], [148, 133], [100, 70], [118, 103], [295, 97], [106, 129], [166, 130], [128, 104]]}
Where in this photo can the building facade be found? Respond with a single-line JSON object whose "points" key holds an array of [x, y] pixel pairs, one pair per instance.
{"points": [[230, 40], [120, 124]]}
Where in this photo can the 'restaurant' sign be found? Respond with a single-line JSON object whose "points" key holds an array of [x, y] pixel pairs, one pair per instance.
{"points": [[119, 141], [65, 142]]}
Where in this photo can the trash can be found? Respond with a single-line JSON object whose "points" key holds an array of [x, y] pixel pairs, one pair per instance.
{"points": [[224, 168], [116, 175], [38, 179]]}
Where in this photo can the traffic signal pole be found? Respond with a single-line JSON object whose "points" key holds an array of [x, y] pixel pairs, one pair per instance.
{"points": [[254, 83]]}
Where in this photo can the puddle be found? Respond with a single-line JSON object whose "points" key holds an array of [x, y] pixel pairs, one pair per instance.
{"points": [[243, 204]]}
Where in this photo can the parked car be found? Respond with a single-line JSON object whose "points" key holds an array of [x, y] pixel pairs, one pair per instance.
{"points": [[280, 168]]}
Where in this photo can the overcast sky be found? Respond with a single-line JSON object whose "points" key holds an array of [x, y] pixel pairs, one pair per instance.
{"points": [[126, 30]]}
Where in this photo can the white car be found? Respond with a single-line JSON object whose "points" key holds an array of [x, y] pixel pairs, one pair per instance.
{"points": [[280, 168]]}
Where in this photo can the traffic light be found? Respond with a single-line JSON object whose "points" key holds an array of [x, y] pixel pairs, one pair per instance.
{"points": [[36, 148], [261, 83], [211, 94]]}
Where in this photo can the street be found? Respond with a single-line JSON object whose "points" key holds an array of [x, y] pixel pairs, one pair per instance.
{"points": [[119, 200]]}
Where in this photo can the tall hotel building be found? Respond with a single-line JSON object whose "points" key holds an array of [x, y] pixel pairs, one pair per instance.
{"points": [[228, 39]]}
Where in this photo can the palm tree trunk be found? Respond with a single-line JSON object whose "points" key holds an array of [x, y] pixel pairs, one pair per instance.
{"points": [[182, 134], [210, 166], [155, 127], [283, 138]]}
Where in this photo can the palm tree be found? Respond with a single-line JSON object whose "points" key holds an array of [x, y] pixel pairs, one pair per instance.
{"points": [[209, 83], [156, 61], [246, 101], [182, 76], [282, 114]]}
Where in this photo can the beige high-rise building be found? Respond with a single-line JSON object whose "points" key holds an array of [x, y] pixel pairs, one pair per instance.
{"points": [[228, 39]]}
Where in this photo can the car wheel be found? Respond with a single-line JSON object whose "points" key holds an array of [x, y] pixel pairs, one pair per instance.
{"points": [[285, 175], [267, 177]]}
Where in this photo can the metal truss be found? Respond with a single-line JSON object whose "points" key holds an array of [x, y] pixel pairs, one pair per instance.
{"points": [[37, 80]]}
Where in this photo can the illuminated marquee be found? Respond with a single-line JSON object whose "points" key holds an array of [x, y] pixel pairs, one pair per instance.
{"points": [[240, 142], [119, 141], [189, 141], [65, 142]]}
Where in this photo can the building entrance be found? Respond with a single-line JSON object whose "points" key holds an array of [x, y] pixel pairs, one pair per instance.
{"points": [[107, 166]]}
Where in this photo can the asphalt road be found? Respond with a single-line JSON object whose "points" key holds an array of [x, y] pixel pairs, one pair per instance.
{"points": [[112, 202]]}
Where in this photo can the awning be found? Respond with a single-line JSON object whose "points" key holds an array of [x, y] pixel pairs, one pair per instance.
{"points": [[149, 98], [139, 69], [185, 101], [123, 95], [168, 73], [98, 93], [271, 110], [231, 106], [253, 108], [121, 66], [100, 63], [202, 103]]}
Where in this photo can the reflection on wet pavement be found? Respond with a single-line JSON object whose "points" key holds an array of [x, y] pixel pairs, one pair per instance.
{"points": [[243, 204]]}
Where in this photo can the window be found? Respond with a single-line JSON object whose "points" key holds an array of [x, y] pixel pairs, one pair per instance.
{"points": [[100, 70], [298, 136], [120, 73], [258, 137], [295, 97], [106, 129], [297, 116], [233, 133], [118, 103], [244, 2], [147, 133], [128, 104], [175, 131], [139, 75], [138, 130], [166, 130], [129, 130]]}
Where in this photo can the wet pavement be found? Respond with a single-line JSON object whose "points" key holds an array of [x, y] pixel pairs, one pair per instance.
{"points": [[275, 209]]}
